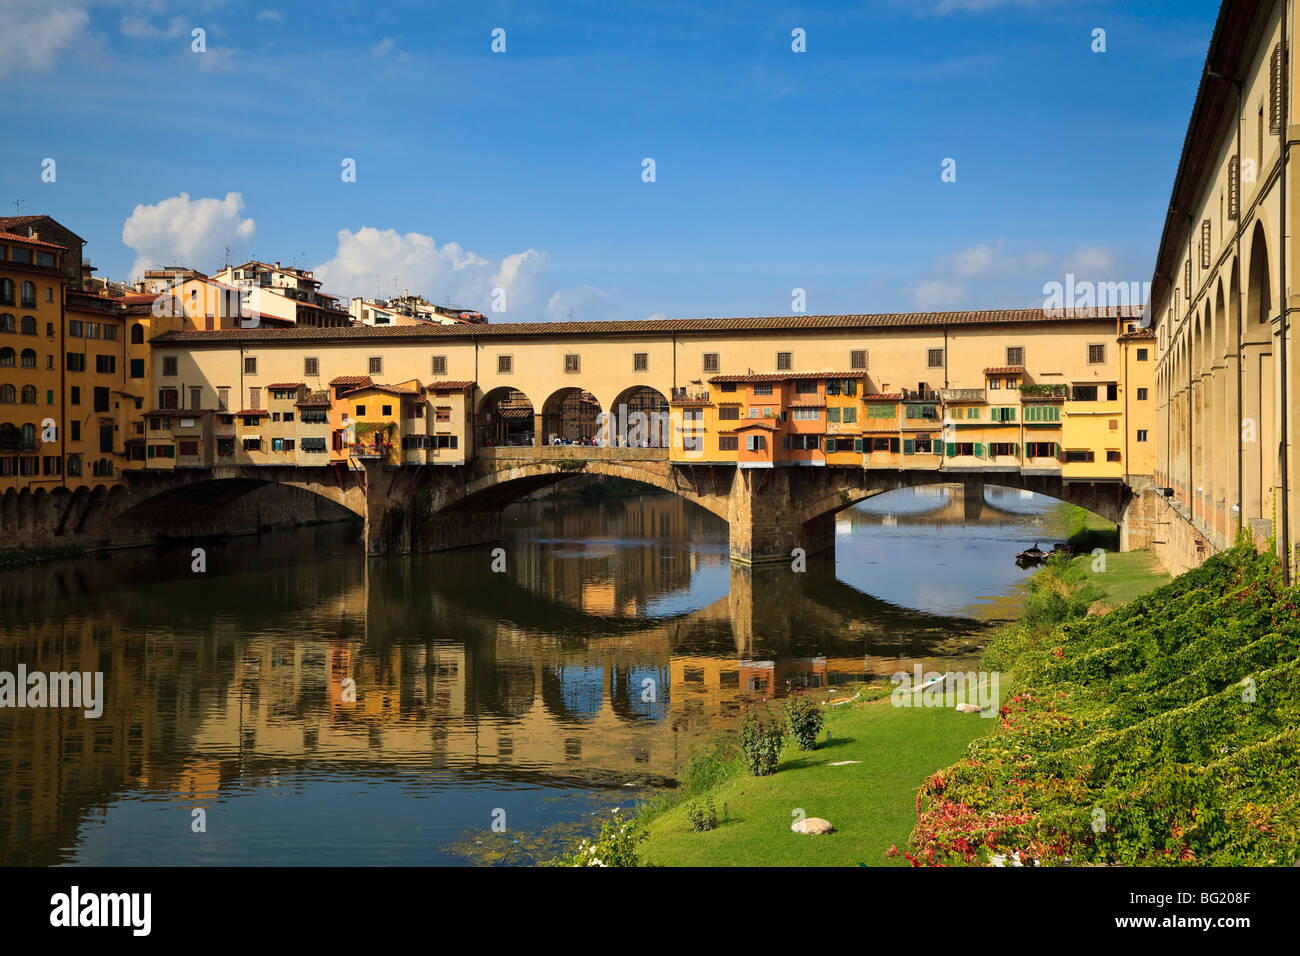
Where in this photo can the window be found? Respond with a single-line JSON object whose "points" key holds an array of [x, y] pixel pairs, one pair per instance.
{"points": [[6, 290], [8, 357], [101, 399], [250, 365], [503, 364], [168, 398], [74, 430], [376, 365], [76, 362], [806, 386], [850, 414], [75, 329], [1143, 394], [311, 367], [728, 413], [252, 444], [858, 359], [1112, 392], [832, 414], [1142, 355], [995, 383], [223, 398], [137, 334], [711, 361], [386, 410], [783, 361], [438, 365], [28, 295], [1040, 449], [1077, 456], [934, 358], [1003, 414], [1096, 354], [1112, 456], [1142, 434], [137, 368], [28, 395], [1042, 413], [189, 448], [196, 397], [1084, 393], [442, 413], [281, 444], [1016, 355], [28, 325], [755, 443], [762, 389], [104, 364], [361, 411], [572, 363], [640, 361], [74, 395], [882, 411], [1002, 449], [255, 398], [802, 443], [728, 443], [314, 445]]}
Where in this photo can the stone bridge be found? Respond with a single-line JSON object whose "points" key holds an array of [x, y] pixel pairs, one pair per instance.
{"points": [[435, 507]]}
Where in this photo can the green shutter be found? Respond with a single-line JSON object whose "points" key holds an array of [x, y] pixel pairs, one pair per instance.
{"points": [[893, 445], [979, 449], [951, 450], [909, 446], [1015, 450], [830, 445], [857, 444]]}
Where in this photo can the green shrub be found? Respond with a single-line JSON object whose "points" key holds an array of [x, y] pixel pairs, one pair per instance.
{"points": [[616, 846], [805, 720], [761, 741], [702, 814]]}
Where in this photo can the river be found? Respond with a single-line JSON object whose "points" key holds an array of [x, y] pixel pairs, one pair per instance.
{"points": [[298, 703]]}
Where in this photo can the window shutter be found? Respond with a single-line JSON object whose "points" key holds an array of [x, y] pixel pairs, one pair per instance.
{"points": [[951, 449], [1015, 450], [1234, 188], [1187, 279], [857, 444], [1205, 243], [893, 445], [979, 449], [1275, 92], [909, 446]]}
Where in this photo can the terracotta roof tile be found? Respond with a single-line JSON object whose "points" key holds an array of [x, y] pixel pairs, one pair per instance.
{"points": [[350, 380], [650, 326], [1005, 370], [253, 411], [286, 385], [883, 397], [14, 237], [783, 376], [448, 386]]}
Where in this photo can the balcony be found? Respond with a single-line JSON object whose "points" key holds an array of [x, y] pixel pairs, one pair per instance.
{"points": [[371, 450]]}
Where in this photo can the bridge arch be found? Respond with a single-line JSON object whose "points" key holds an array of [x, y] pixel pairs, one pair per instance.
{"points": [[571, 414]]}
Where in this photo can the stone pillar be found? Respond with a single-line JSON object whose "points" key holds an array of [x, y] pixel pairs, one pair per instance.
{"points": [[767, 525], [401, 516]]}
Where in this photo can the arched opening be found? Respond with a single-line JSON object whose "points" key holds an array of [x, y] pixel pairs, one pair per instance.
{"points": [[137, 334], [1258, 430], [642, 417], [505, 417], [1220, 415], [570, 416]]}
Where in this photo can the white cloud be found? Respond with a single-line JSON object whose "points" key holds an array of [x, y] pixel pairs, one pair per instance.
{"points": [[982, 276], [274, 15], [979, 6], [35, 31], [141, 29], [1092, 262], [586, 302], [372, 257], [383, 47], [184, 231]]}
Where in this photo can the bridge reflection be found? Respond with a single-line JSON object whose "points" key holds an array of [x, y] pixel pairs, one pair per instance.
{"points": [[573, 667]]}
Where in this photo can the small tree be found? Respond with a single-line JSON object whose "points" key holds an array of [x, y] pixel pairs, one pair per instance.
{"points": [[805, 719], [761, 740]]}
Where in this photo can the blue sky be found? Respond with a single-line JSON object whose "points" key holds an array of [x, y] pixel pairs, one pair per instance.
{"points": [[522, 170]]}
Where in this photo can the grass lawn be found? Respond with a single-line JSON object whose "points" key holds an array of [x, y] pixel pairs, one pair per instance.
{"points": [[1127, 576], [871, 804]]}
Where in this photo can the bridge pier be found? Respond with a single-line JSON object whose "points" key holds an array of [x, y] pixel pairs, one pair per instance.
{"points": [[766, 519]]}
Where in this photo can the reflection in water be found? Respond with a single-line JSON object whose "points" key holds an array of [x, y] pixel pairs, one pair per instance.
{"points": [[618, 636]]}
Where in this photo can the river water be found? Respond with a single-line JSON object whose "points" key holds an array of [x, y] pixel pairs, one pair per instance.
{"points": [[297, 703]]}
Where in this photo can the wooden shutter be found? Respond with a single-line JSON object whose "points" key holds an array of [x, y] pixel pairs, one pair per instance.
{"points": [[893, 445], [1234, 188], [979, 449], [909, 446], [1205, 243], [1275, 91], [857, 444], [1187, 279], [951, 449]]}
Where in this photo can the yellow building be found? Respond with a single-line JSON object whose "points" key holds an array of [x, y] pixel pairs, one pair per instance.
{"points": [[33, 438]]}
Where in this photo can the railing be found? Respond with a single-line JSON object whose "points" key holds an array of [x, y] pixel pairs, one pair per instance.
{"points": [[374, 450]]}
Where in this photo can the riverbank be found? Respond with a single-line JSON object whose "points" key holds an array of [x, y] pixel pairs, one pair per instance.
{"points": [[872, 801]]}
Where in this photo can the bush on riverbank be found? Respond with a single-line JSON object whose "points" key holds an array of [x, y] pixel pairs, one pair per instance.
{"points": [[805, 720], [761, 740], [1164, 732]]}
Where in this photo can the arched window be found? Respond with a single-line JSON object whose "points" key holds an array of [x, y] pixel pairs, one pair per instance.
{"points": [[8, 395], [137, 334], [29, 394], [7, 357], [74, 465], [29, 295], [6, 322], [29, 325], [29, 438], [29, 358], [6, 291]]}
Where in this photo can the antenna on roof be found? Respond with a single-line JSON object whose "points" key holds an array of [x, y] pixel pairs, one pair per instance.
{"points": [[227, 257], [18, 203]]}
